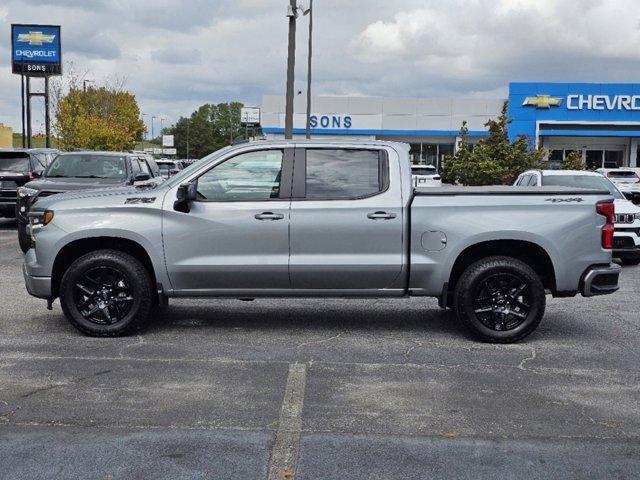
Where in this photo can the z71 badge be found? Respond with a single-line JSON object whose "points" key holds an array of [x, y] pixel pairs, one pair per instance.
{"points": [[568, 200]]}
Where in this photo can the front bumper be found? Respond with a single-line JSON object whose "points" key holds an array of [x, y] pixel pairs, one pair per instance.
{"points": [[600, 280], [37, 286]]}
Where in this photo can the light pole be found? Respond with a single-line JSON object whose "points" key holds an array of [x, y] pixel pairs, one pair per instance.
{"points": [[152, 119], [292, 13], [84, 85], [144, 133], [188, 123], [310, 12]]}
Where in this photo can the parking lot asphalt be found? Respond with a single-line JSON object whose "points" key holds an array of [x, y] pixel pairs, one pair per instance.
{"points": [[352, 389]]}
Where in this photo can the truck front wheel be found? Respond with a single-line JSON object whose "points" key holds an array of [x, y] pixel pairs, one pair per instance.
{"points": [[500, 299], [106, 293]]}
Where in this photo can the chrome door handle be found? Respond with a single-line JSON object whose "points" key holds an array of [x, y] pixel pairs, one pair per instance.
{"points": [[381, 216], [268, 216]]}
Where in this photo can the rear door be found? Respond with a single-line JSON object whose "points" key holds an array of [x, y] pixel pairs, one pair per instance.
{"points": [[346, 219]]}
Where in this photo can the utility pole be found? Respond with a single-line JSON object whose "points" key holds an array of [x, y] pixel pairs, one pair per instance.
{"points": [[309, 68], [152, 119], [292, 13], [188, 123]]}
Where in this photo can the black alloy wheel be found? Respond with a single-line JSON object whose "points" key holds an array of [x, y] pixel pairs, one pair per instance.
{"points": [[103, 296], [502, 301]]}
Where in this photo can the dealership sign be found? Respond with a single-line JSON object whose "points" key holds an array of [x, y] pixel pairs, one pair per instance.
{"points": [[331, 121], [585, 102], [35, 50]]}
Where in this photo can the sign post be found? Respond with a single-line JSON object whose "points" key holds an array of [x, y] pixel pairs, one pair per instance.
{"points": [[249, 117], [35, 52]]}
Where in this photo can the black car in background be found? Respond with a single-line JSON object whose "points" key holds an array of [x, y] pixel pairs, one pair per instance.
{"points": [[17, 167], [83, 171]]}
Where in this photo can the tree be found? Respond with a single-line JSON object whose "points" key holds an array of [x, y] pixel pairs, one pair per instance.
{"points": [[208, 129], [104, 118], [573, 161], [494, 160]]}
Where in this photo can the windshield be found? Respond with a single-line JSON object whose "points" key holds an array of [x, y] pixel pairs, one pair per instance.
{"points": [[423, 171], [14, 162], [591, 182], [87, 166], [624, 175]]}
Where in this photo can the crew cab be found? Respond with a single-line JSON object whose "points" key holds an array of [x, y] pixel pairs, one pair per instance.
{"points": [[626, 240], [17, 167], [83, 171], [319, 219]]}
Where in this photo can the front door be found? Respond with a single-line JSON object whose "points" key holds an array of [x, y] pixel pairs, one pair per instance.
{"points": [[236, 235], [346, 220]]}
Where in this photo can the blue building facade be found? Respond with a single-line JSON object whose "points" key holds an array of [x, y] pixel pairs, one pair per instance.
{"points": [[600, 120]]}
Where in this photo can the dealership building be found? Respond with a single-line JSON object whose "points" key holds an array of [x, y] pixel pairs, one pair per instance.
{"points": [[601, 120]]}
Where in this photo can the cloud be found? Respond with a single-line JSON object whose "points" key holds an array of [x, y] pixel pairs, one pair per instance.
{"points": [[178, 54]]}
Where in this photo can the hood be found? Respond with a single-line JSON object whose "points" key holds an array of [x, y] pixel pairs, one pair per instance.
{"points": [[106, 196], [72, 183]]}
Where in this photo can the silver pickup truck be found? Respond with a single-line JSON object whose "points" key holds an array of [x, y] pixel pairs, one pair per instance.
{"points": [[319, 219]]}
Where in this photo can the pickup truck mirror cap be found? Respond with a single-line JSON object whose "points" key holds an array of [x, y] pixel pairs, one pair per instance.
{"points": [[187, 192], [142, 177]]}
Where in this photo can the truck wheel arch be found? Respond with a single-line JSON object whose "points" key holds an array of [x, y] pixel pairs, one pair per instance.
{"points": [[528, 252], [77, 248]]}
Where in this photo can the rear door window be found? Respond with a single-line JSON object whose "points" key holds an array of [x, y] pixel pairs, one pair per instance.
{"points": [[345, 174]]}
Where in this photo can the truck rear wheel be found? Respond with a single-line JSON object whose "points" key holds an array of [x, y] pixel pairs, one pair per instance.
{"points": [[106, 293], [500, 299]]}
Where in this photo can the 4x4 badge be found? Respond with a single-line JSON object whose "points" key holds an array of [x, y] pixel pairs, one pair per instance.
{"points": [[559, 200]]}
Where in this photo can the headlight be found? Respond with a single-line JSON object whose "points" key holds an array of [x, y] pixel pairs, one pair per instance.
{"points": [[637, 216], [26, 192]]}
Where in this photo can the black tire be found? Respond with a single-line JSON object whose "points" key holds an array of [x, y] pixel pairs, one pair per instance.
{"points": [[23, 237], [500, 299], [110, 279]]}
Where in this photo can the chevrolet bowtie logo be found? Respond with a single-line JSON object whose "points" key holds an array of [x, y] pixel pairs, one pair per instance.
{"points": [[35, 38], [542, 101]]}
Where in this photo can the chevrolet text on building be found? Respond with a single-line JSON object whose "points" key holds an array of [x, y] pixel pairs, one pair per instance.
{"points": [[603, 102], [600, 120], [35, 50]]}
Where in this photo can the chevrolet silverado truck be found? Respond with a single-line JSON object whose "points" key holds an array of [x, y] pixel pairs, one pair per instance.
{"points": [[319, 219]]}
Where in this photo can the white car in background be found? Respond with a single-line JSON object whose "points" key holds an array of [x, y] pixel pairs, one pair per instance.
{"points": [[626, 241], [626, 179], [425, 176]]}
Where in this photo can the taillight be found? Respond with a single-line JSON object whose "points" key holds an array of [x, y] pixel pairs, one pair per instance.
{"points": [[607, 210]]}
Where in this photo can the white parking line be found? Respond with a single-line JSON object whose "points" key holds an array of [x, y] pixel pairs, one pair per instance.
{"points": [[284, 455]]}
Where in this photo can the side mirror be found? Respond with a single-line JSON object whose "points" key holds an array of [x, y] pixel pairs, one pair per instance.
{"points": [[187, 192], [37, 174], [142, 177]]}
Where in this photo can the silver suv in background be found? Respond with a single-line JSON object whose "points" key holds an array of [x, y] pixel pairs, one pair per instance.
{"points": [[626, 179]]}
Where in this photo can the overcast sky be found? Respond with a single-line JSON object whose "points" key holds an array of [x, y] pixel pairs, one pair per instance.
{"points": [[178, 54]]}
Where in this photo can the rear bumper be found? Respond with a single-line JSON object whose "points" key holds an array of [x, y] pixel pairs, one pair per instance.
{"points": [[600, 280]]}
